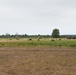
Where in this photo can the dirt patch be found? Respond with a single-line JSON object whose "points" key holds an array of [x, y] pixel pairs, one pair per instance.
{"points": [[2, 73], [37, 61], [36, 48]]}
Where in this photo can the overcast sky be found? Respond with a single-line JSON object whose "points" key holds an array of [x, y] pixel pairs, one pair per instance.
{"points": [[37, 16]]}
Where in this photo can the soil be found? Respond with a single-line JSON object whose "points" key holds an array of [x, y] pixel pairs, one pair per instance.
{"points": [[37, 61]]}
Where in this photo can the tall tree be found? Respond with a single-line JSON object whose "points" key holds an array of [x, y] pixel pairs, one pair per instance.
{"points": [[55, 33]]}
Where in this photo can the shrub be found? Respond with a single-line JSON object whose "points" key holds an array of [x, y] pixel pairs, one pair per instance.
{"points": [[30, 39], [17, 38], [59, 39], [10, 39], [52, 40]]}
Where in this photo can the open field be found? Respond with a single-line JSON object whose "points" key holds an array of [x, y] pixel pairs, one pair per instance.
{"points": [[49, 42], [33, 57], [37, 61]]}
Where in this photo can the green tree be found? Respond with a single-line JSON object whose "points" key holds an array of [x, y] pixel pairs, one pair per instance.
{"points": [[55, 33]]}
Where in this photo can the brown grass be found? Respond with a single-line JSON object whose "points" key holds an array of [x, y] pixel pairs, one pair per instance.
{"points": [[37, 61]]}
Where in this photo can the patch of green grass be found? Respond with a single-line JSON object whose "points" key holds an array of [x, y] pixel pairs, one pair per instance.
{"points": [[35, 42]]}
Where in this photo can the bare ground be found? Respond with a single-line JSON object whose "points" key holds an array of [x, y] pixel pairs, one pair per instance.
{"points": [[37, 61]]}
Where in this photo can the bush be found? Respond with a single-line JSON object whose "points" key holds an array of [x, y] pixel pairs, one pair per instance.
{"points": [[17, 38], [30, 39], [52, 40], [10, 39], [59, 39]]}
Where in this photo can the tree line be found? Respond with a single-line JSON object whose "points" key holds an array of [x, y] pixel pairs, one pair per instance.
{"points": [[55, 34]]}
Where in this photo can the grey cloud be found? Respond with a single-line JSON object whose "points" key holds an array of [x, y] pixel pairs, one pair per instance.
{"points": [[38, 13], [39, 7]]}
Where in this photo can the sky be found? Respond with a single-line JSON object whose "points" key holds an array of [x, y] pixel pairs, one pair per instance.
{"points": [[34, 17]]}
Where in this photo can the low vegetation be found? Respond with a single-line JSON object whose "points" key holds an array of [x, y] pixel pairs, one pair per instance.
{"points": [[34, 42], [30, 56]]}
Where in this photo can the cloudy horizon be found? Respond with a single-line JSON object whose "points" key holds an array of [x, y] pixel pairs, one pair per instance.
{"points": [[37, 16]]}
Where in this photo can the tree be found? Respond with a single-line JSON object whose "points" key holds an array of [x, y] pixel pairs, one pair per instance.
{"points": [[55, 33]]}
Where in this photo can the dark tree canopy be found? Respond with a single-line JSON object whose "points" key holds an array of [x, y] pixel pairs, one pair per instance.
{"points": [[55, 33]]}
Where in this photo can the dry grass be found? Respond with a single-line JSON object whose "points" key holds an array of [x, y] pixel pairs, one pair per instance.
{"points": [[13, 40], [37, 61]]}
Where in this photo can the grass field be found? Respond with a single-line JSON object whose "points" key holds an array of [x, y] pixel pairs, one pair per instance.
{"points": [[34, 42], [44, 57]]}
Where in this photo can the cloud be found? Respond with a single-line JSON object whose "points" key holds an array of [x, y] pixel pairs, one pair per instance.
{"points": [[37, 15]]}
